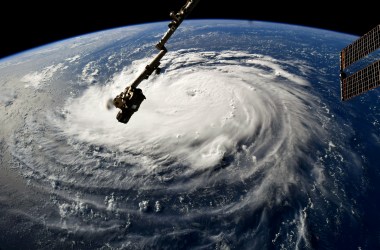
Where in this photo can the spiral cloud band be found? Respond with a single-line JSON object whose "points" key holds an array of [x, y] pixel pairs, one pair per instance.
{"points": [[205, 106]]}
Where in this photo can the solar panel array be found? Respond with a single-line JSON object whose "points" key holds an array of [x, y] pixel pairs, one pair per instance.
{"points": [[364, 79], [361, 47], [361, 81]]}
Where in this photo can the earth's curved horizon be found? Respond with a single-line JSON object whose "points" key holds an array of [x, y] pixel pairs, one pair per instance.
{"points": [[242, 143]]}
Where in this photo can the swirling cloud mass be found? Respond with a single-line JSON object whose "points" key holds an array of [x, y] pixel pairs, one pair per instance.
{"points": [[206, 108]]}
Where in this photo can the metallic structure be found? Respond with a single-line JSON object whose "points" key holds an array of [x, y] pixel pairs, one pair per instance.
{"points": [[367, 78], [131, 98]]}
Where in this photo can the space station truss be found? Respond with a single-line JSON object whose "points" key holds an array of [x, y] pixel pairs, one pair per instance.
{"points": [[367, 78]]}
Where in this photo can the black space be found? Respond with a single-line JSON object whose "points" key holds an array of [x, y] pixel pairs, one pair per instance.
{"points": [[31, 24]]}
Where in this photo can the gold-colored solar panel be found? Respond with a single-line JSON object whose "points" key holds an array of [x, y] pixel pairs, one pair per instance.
{"points": [[361, 81], [364, 79], [362, 47]]}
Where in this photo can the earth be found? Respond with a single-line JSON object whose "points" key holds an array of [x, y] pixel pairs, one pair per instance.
{"points": [[242, 143]]}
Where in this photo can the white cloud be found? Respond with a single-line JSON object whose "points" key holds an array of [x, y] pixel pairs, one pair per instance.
{"points": [[7, 96], [35, 79], [73, 59], [199, 109]]}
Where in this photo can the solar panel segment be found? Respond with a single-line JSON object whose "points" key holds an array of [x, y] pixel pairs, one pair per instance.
{"points": [[361, 81], [362, 47]]}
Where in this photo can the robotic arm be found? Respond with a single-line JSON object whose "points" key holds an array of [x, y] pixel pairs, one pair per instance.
{"points": [[131, 98], [176, 22]]}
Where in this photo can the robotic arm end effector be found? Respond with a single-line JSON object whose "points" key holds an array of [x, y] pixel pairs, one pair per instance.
{"points": [[129, 102]]}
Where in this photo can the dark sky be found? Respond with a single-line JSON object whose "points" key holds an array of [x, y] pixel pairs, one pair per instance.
{"points": [[25, 26]]}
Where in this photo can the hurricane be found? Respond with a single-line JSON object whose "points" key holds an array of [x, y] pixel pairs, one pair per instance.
{"points": [[221, 147], [242, 142]]}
